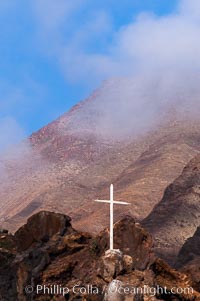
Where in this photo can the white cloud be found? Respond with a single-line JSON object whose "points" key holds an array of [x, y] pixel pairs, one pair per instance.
{"points": [[53, 19], [160, 55], [10, 132], [52, 14], [150, 42], [190, 9], [160, 43]]}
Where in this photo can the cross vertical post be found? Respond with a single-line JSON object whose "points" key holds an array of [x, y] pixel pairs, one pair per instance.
{"points": [[112, 202], [111, 217]]}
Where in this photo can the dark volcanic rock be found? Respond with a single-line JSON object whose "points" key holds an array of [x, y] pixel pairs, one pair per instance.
{"points": [[8, 276], [132, 240], [188, 259], [192, 269], [190, 250], [40, 227], [69, 258], [8, 271]]}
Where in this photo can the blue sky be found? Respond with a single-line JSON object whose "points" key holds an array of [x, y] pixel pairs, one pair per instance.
{"points": [[43, 44]]}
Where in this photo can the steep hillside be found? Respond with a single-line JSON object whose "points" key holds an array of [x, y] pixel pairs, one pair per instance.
{"points": [[67, 164], [176, 217], [143, 182]]}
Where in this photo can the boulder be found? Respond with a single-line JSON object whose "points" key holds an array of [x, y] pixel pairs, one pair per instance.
{"points": [[132, 240], [112, 293], [114, 263], [40, 227]]}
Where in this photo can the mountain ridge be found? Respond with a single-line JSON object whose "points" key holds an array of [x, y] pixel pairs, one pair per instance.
{"points": [[68, 163]]}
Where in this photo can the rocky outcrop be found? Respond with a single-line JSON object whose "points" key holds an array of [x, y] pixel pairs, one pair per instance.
{"points": [[36, 253], [40, 227], [131, 239], [114, 263], [156, 283], [72, 265], [176, 217], [8, 271]]}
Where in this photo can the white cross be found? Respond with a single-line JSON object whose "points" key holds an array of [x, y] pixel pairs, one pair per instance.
{"points": [[111, 202]]}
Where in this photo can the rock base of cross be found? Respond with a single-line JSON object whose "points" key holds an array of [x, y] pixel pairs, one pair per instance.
{"points": [[116, 252], [113, 263]]}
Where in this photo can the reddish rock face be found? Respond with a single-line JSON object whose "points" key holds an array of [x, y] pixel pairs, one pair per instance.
{"points": [[132, 240], [41, 227]]}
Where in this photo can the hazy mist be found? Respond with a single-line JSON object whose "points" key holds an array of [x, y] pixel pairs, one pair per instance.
{"points": [[154, 66]]}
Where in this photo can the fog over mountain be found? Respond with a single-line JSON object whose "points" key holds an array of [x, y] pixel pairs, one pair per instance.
{"points": [[138, 130], [153, 67], [131, 106]]}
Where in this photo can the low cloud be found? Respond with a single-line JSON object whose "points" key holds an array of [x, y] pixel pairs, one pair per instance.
{"points": [[11, 132], [19, 104], [148, 45], [11, 147], [154, 64]]}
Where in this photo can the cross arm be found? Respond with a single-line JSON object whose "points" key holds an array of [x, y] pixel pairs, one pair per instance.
{"points": [[121, 203], [114, 202], [102, 201]]}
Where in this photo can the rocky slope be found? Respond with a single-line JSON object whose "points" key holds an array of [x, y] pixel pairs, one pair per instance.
{"points": [[67, 164], [176, 217], [48, 253]]}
